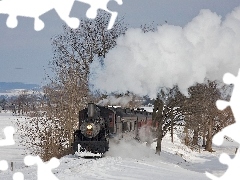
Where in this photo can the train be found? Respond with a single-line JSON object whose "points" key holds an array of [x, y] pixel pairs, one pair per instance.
{"points": [[97, 124]]}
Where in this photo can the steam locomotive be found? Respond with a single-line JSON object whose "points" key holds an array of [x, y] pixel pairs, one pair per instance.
{"points": [[97, 124]]}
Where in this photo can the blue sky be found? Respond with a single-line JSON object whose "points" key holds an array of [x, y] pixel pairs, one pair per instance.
{"points": [[25, 53]]}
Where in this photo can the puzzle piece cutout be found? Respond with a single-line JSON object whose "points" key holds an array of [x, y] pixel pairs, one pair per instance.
{"points": [[3, 165], [8, 141], [44, 170], [36, 8], [100, 4], [18, 176], [231, 131], [233, 172]]}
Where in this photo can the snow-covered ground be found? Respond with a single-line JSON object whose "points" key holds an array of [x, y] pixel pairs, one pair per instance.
{"points": [[17, 92], [126, 159], [13, 153]]}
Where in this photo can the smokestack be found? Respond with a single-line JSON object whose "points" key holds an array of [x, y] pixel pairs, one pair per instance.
{"points": [[91, 110]]}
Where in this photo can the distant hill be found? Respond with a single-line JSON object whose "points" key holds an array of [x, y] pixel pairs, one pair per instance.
{"points": [[7, 86]]}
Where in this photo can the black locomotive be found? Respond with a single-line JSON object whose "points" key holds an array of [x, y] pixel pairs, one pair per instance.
{"points": [[98, 123], [93, 131]]}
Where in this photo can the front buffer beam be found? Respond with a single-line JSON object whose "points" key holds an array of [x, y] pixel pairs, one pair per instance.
{"points": [[91, 146]]}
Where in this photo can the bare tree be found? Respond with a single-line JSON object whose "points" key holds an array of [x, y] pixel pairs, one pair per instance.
{"points": [[51, 130], [25, 102], [204, 119], [198, 113]]}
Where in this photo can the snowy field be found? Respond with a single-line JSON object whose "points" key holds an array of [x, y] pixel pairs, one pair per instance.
{"points": [[127, 160], [13, 153]]}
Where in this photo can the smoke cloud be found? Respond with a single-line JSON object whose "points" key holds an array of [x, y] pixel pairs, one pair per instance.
{"points": [[112, 100], [207, 47]]}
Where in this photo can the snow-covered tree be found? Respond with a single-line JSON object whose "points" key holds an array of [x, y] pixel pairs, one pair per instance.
{"points": [[167, 113]]}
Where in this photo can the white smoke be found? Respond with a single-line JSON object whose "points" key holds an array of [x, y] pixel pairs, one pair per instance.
{"points": [[129, 149], [112, 100], [146, 134], [208, 46]]}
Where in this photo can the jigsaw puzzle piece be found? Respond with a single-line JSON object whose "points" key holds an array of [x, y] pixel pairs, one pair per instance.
{"points": [[5, 8], [231, 131], [38, 24], [211, 176], [25, 8], [234, 101], [101, 4], [3, 165], [8, 141], [224, 159], [63, 8], [18, 176], [233, 167], [221, 105], [36, 8], [44, 169], [12, 21], [229, 78]]}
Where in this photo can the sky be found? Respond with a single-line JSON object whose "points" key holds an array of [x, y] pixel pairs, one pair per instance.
{"points": [[25, 53]]}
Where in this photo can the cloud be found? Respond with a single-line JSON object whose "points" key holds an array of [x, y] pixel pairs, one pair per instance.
{"points": [[112, 100]]}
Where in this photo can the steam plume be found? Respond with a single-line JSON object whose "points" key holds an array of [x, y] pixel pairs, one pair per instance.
{"points": [[208, 46]]}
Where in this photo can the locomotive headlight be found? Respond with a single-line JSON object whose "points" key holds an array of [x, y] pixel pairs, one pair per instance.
{"points": [[89, 126]]}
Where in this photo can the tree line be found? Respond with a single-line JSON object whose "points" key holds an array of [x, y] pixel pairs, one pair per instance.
{"points": [[197, 113]]}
